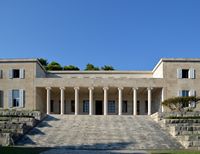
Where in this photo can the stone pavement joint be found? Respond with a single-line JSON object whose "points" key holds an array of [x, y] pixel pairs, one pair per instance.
{"points": [[96, 132]]}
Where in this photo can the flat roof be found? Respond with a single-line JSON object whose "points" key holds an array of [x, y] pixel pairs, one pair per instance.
{"points": [[3, 60]]}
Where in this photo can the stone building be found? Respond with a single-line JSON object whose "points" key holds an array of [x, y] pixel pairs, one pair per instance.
{"points": [[25, 84]]}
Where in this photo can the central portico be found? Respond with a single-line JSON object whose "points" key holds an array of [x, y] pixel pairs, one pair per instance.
{"points": [[103, 100]]}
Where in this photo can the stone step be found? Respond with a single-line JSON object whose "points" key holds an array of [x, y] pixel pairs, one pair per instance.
{"points": [[178, 121], [192, 144], [188, 137]]}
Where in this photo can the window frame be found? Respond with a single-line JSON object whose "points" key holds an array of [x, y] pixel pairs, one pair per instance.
{"points": [[85, 106], [111, 106], [185, 73], [14, 100]]}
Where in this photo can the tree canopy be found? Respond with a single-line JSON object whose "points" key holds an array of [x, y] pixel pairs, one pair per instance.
{"points": [[107, 68], [71, 68], [54, 66], [91, 67], [43, 61]]}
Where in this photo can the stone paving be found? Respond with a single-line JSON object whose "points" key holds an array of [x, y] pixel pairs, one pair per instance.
{"points": [[99, 133]]}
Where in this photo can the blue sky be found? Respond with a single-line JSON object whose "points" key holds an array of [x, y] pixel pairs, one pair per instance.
{"points": [[127, 34]]}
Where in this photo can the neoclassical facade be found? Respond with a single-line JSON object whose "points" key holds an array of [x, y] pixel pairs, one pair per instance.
{"points": [[25, 84]]}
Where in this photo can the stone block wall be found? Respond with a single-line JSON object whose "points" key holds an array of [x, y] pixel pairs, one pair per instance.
{"points": [[14, 124], [185, 127]]}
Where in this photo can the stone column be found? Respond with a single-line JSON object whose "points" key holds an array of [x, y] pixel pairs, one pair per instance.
{"points": [[120, 100], [135, 101], [48, 99], [162, 99], [149, 100], [62, 97], [76, 100], [105, 101], [90, 100]]}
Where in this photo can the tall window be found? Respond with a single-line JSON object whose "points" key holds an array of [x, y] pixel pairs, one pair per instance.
{"points": [[124, 107], [111, 106], [1, 99], [15, 98], [86, 106], [185, 93], [138, 107], [16, 73], [72, 106], [146, 106], [185, 73], [51, 106]]}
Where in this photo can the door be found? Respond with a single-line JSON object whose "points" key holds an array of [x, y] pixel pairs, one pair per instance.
{"points": [[99, 108]]}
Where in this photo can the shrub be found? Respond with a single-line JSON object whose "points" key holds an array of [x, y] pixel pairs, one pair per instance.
{"points": [[181, 103]]}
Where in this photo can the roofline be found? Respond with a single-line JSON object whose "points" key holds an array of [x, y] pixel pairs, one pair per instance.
{"points": [[175, 60], [100, 72], [23, 60]]}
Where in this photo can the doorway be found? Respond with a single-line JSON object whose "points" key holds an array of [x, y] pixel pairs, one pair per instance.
{"points": [[99, 108]]}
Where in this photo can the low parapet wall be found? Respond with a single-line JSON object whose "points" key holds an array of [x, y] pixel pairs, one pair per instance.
{"points": [[184, 126], [14, 124]]}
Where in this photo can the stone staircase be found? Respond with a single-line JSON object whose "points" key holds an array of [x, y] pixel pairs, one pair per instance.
{"points": [[98, 132]]}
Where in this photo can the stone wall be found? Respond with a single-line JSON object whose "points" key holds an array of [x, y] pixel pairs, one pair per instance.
{"points": [[14, 124], [185, 127]]}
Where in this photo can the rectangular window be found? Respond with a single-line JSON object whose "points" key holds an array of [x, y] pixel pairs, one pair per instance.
{"points": [[124, 107], [86, 106], [185, 73], [146, 106], [51, 106], [111, 106], [16, 73], [185, 93], [1, 74], [1, 99], [15, 98], [72, 106], [138, 107]]}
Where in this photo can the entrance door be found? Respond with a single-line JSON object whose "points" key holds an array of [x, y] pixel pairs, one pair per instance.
{"points": [[99, 108]]}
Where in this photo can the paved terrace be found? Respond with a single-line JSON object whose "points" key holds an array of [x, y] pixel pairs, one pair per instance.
{"points": [[99, 132]]}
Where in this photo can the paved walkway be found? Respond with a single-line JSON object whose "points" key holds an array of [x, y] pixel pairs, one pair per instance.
{"points": [[99, 132]]}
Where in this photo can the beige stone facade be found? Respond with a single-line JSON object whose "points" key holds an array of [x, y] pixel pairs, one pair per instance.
{"points": [[25, 84]]}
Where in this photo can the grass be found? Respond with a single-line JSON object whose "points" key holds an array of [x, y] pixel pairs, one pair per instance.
{"points": [[174, 152], [37, 150], [22, 150]]}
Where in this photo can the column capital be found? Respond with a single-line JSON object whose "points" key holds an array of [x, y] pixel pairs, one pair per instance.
{"points": [[135, 88], [62, 88], [48, 88], [105, 88], [150, 88], [76, 88], [90, 88], [120, 88]]}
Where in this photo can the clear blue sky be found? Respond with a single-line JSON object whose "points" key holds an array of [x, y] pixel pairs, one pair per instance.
{"points": [[128, 34]]}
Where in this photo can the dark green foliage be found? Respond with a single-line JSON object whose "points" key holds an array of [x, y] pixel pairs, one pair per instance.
{"points": [[43, 61], [107, 68], [71, 68], [178, 103], [91, 67], [54, 66]]}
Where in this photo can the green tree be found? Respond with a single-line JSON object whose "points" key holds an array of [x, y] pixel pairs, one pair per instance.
{"points": [[54, 66], [71, 68], [91, 67], [107, 68], [43, 61]]}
